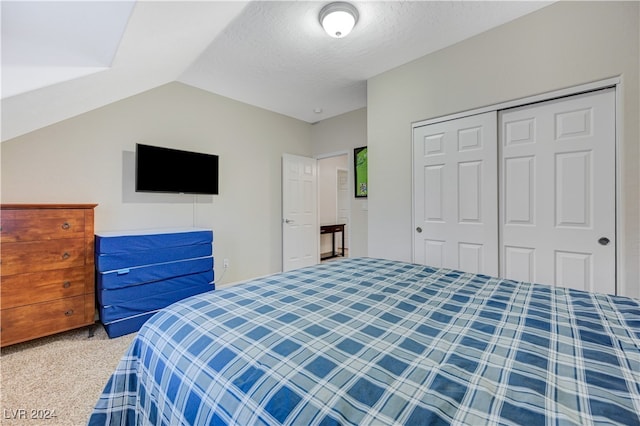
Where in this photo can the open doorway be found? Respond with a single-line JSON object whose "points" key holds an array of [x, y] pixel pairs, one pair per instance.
{"points": [[334, 206]]}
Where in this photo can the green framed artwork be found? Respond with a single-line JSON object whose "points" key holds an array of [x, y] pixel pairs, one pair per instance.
{"points": [[360, 166]]}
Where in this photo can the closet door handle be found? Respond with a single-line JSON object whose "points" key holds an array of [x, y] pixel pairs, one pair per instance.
{"points": [[603, 241], [419, 230]]}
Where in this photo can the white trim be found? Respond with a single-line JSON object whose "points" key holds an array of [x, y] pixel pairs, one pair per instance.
{"points": [[413, 194], [347, 240], [621, 288], [616, 82], [601, 84], [332, 154], [234, 283]]}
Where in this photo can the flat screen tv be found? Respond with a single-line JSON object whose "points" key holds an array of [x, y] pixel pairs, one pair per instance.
{"points": [[175, 171]]}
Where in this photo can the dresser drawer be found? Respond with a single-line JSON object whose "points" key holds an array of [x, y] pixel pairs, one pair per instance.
{"points": [[46, 224], [38, 256], [40, 319], [36, 287]]}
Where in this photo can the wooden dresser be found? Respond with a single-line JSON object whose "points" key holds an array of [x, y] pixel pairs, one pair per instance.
{"points": [[47, 276]]}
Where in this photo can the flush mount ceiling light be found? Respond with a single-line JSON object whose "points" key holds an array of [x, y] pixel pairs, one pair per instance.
{"points": [[338, 19]]}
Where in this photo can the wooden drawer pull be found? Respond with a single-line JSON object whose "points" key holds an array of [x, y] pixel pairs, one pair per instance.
{"points": [[66, 225], [65, 255], [69, 313], [66, 284]]}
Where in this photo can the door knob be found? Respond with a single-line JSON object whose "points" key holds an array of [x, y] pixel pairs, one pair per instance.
{"points": [[419, 230], [288, 221], [603, 241]]}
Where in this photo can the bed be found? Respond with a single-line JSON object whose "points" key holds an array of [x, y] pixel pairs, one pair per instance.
{"points": [[378, 342]]}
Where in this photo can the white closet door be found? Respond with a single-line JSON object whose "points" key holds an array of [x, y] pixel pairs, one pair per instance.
{"points": [[557, 186], [455, 194]]}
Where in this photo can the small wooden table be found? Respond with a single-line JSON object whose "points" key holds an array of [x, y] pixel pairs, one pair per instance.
{"points": [[332, 229]]}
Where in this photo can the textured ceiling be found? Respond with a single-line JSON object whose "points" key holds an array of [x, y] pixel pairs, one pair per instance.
{"points": [[277, 56], [63, 58]]}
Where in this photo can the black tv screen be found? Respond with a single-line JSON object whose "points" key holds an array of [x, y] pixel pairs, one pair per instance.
{"points": [[175, 171]]}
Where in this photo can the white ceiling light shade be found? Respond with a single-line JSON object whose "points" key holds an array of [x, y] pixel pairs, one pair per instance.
{"points": [[338, 19]]}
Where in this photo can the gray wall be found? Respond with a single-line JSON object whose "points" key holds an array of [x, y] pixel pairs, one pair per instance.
{"points": [[563, 45], [90, 159]]}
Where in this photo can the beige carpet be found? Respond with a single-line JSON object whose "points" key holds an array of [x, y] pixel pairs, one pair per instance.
{"points": [[61, 375]]}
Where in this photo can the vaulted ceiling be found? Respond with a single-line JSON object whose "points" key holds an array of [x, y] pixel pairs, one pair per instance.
{"points": [[63, 58]]}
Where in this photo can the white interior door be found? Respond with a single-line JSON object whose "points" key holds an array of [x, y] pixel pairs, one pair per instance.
{"points": [[456, 194], [300, 229], [343, 206], [557, 186]]}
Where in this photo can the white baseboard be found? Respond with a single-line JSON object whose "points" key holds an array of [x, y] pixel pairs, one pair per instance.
{"points": [[234, 283]]}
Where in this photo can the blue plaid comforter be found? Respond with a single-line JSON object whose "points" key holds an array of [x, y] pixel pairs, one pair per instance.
{"points": [[377, 342]]}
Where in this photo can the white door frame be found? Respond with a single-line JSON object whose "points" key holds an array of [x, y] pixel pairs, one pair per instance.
{"points": [[569, 91], [350, 173], [347, 241]]}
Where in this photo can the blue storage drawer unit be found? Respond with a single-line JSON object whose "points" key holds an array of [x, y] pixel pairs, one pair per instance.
{"points": [[140, 272]]}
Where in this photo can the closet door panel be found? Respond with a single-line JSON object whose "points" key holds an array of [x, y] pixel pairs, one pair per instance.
{"points": [[519, 190], [455, 194], [519, 263], [434, 253], [470, 187], [573, 270], [574, 189], [433, 193], [557, 186]]}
